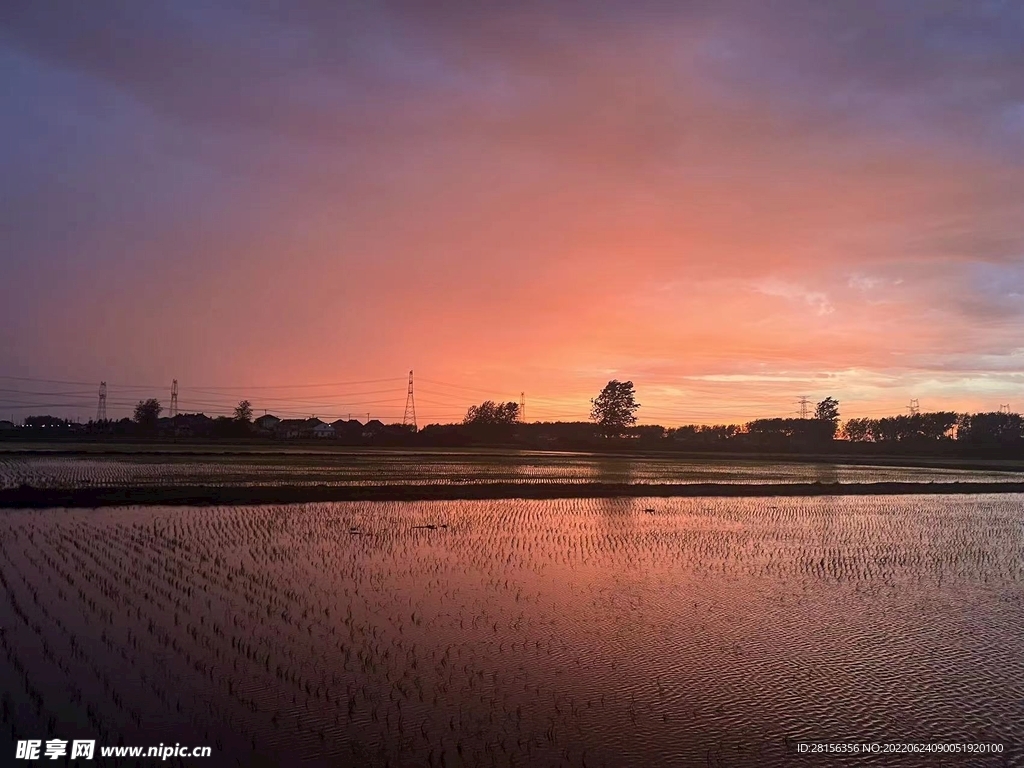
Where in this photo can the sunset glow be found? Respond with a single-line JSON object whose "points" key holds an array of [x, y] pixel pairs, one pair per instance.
{"points": [[730, 204]]}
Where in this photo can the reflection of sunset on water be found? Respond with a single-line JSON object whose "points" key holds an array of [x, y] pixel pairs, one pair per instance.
{"points": [[632, 632]]}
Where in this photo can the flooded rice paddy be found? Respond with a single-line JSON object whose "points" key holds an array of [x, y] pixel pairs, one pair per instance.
{"points": [[439, 468], [628, 632]]}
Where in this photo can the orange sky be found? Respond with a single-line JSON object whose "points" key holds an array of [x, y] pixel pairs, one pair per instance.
{"points": [[730, 206]]}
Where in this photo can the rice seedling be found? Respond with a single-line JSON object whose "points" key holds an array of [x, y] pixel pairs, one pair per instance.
{"points": [[567, 632]]}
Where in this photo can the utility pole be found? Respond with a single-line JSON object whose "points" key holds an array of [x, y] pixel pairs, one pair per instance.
{"points": [[805, 404], [101, 409], [409, 419], [914, 407], [174, 399]]}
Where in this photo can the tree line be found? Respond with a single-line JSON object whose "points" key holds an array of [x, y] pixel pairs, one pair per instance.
{"points": [[613, 420], [614, 414]]}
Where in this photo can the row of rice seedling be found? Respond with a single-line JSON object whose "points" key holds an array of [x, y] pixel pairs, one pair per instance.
{"points": [[569, 632]]}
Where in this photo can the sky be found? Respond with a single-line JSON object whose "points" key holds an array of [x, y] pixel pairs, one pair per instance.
{"points": [[731, 204]]}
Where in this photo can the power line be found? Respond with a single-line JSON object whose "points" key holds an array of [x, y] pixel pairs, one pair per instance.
{"points": [[79, 383], [295, 404], [115, 385], [300, 386], [461, 396], [23, 406], [446, 397], [460, 386], [78, 393], [312, 400], [428, 401], [48, 381]]}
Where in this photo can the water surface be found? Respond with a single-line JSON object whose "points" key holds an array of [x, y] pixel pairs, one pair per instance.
{"points": [[441, 468], [570, 632]]}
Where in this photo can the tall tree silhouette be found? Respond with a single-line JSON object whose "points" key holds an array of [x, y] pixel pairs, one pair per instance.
{"points": [[243, 412], [828, 411], [615, 408], [491, 413], [147, 413]]}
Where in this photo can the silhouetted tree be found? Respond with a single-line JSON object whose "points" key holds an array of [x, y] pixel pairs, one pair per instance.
{"points": [[699, 435], [938, 425], [891, 429], [243, 412], [647, 434], [489, 413], [991, 429], [827, 412], [858, 430], [615, 408], [789, 433], [122, 427], [147, 413], [917, 428]]}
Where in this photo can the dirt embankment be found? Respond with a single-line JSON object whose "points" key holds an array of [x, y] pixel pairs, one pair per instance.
{"points": [[29, 497]]}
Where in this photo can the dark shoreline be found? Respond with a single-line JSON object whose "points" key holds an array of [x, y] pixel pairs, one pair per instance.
{"points": [[227, 449], [36, 498]]}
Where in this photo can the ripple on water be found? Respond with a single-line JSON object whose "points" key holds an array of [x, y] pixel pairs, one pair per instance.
{"points": [[706, 631]]}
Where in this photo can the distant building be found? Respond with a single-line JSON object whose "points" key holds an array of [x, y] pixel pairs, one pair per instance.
{"points": [[302, 428], [290, 428], [373, 427], [266, 424], [6, 425], [322, 430], [350, 429], [191, 425]]}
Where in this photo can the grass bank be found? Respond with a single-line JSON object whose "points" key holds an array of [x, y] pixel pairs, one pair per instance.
{"points": [[229, 449]]}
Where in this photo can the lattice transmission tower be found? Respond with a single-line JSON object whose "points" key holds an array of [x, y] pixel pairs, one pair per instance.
{"points": [[914, 407], [101, 408], [173, 411], [522, 407], [409, 419], [805, 404]]}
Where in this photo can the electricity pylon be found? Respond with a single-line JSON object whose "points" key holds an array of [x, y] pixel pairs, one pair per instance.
{"points": [[101, 409], [805, 404], [409, 419]]}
